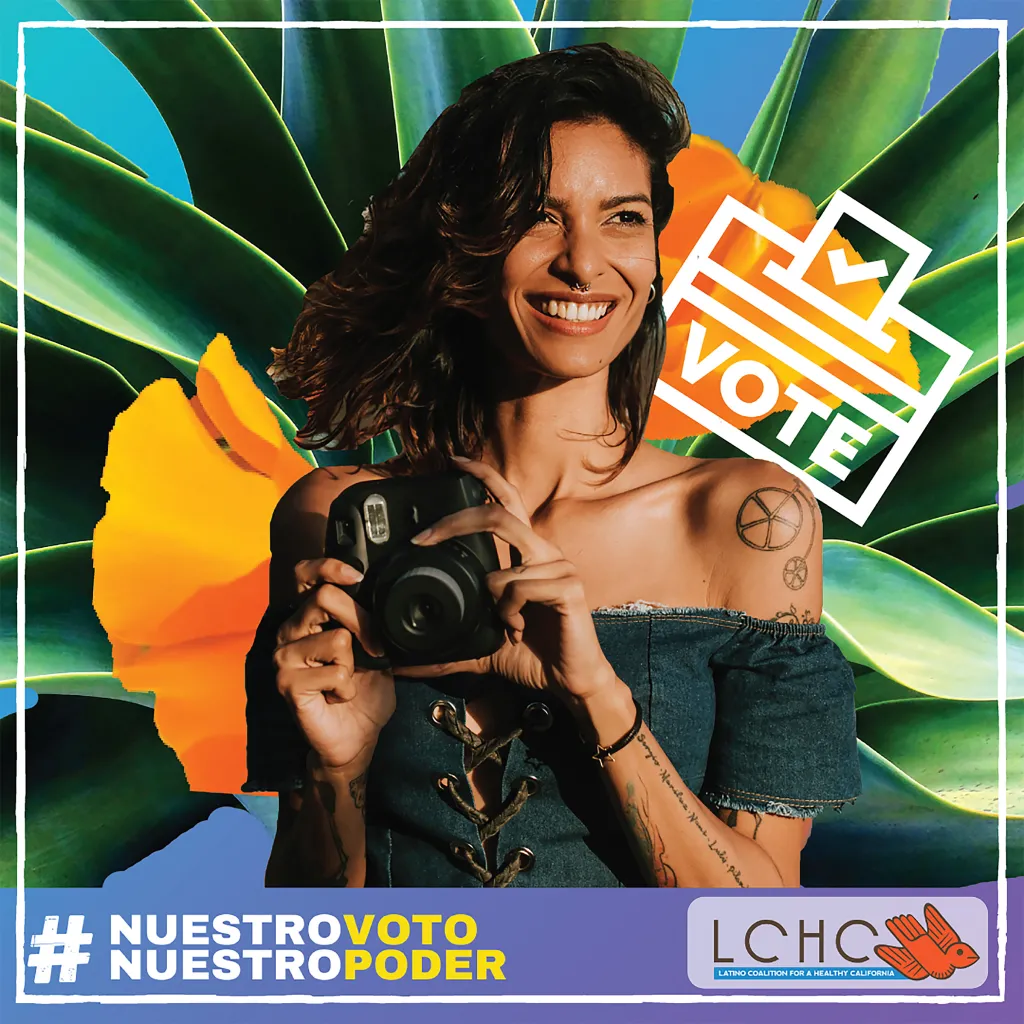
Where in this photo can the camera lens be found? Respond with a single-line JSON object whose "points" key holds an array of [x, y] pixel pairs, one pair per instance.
{"points": [[422, 613], [426, 607]]}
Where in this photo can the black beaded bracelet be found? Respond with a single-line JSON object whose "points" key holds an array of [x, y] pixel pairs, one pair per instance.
{"points": [[603, 754]]}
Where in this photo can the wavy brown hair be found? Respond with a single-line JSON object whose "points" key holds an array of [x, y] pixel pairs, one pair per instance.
{"points": [[392, 339]]}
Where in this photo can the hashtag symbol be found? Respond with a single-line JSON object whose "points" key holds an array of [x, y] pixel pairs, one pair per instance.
{"points": [[70, 943]]}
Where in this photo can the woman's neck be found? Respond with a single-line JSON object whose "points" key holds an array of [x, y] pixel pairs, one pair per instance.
{"points": [[542, 441]]}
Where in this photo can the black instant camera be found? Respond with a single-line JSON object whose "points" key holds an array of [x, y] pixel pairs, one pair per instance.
{"points": [[428, 604]]}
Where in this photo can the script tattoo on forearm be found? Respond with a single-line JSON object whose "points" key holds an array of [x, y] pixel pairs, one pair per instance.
{"points": [[648, 837], [327, 798], [692, 816], [772, 518]]}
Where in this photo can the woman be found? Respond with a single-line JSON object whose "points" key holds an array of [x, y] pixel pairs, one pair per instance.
{"points": [[665, 709]]}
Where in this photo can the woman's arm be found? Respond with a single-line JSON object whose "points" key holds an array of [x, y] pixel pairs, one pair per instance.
{"points": [[679, 841], [321, 833], [321, 837], [765, 529]]}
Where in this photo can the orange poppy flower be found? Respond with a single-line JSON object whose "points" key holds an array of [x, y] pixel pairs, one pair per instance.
{"points": [[182, 555], [702, 176]]}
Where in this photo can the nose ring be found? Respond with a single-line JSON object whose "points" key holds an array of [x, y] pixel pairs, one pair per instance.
{"points": [[582, 288]]}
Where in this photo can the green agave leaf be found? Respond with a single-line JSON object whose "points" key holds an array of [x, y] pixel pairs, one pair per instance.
{"points": [[68, 395], [85, 684], [62, 633], [139, 364], [1014, 615], [960, 551], [937, 181], [962, 300], [857, 92], [899, 833], [661, 46], [48, 121], [951, 747], [945, 646], [761, 145], [1014, 226], [260, 48], [242, 165], [951, 469], [337, 105], [105, 246], [430, 67], [873, 688], [129, 797]]}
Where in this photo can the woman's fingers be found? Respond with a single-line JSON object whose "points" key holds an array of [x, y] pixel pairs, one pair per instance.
{"points": [[556, 592], [477, 666], [331, 683], [502, 490], [311, 572], [494, 519], [330, 604], [499, 583], [331, 647]]}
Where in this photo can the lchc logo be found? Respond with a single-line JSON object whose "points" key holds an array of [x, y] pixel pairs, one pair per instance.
{"points": [[833, 942]]}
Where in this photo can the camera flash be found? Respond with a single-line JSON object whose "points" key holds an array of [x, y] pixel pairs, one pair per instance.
{"points": [[375, 516]]}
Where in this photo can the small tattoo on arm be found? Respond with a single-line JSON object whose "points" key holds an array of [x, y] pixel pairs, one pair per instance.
{"points": [[357, 790], [732, 817], [329, 802], [771, 519], [648, 837], [791, 615]]}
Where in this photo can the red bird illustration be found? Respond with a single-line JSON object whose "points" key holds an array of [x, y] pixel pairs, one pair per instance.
{"points": [[936, 952]]}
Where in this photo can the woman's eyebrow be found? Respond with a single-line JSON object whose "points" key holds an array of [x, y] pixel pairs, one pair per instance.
{"points": [[636, 197], [562, 205]]}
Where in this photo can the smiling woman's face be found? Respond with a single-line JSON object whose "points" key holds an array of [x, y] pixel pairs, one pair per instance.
{"points": [[597, 229]]}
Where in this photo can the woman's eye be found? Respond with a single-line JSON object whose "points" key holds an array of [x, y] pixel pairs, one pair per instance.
{"points": [[630, 217]]}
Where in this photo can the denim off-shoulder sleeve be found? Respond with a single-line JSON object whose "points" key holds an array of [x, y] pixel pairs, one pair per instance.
{"points": [[784, 740], [276, 749]]}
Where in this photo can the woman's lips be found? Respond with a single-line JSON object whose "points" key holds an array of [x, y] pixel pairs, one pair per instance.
{"points": [[572, 327]]}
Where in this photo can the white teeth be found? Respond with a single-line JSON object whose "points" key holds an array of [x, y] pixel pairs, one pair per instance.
{"points": [[579, 312]]}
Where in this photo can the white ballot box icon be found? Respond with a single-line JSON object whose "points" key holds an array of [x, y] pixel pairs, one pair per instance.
{"points": [[837, 438]]}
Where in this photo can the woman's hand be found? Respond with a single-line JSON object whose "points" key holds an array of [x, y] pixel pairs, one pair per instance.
{"points": [[551, 642], [340, 708]]}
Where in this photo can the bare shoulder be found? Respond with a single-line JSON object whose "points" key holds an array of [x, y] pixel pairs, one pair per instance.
{"points": [[765, 527], [299, 523], [314, 492]]}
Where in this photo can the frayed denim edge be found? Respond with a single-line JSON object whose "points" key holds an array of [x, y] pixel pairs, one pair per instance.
{"points": [[775, 627], [783, 810]]}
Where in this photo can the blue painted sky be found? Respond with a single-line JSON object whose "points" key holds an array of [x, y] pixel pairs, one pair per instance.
{"points": [[723, 75]]}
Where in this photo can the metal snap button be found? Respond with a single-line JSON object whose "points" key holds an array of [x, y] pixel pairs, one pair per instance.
{"points": [[438, 708], [447, 782], [527, 858], [532, 784], [538, 717]]}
